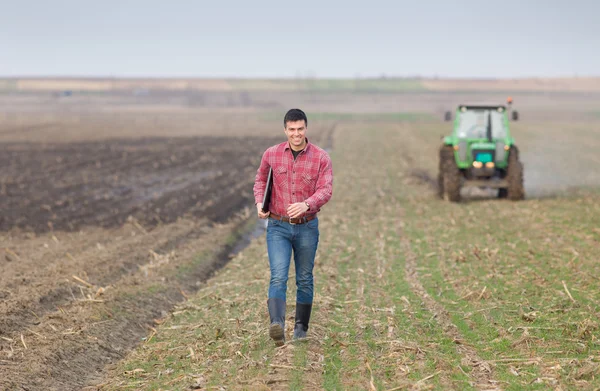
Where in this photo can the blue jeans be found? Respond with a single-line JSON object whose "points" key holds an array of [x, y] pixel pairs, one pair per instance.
{"points": [[303, 239]]}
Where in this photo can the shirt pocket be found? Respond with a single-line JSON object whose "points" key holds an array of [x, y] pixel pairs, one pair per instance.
{"points": [[309, 180], [280, 176]]}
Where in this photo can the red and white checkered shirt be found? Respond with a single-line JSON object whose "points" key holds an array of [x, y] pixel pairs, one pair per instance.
{"points": [[309, 178]]}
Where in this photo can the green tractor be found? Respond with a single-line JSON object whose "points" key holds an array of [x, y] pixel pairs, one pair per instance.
{"points": [[481, 153]]}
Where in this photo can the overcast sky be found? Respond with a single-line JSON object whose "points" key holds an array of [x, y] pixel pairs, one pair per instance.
{"points": [[244, 38]]}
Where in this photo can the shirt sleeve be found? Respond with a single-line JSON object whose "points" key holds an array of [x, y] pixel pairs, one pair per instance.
{"points": [[324, 188], [260, 181]]}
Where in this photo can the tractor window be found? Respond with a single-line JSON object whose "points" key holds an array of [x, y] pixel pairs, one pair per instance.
{"points": [[473, 124]]}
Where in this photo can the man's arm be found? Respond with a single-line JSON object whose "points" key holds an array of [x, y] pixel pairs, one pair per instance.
{"points": [[324, 187], [260, 180], [260, 184]]}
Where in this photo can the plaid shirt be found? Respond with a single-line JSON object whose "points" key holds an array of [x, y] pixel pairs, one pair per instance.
{"points": [[309, 178]]}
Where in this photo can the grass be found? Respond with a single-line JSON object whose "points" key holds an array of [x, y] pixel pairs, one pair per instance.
{"points": [[411, 292], [509, 289], [7, 85], [330, 85]]}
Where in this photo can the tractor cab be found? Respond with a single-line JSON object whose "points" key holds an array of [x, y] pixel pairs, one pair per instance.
{"points": [[481, 138]]}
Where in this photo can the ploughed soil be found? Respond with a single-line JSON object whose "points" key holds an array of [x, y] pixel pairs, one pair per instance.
{"points": [[98, 240], [69, 186]]}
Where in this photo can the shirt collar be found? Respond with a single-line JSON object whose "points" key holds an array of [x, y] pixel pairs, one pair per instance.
{"points": [[287, 146]]}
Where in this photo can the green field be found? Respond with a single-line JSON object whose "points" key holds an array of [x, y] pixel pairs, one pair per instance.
{"points": [[330, 85], [411, 292]]}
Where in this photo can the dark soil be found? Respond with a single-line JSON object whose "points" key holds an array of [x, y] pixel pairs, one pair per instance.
{"points": [[68, 186], [98, 240]]}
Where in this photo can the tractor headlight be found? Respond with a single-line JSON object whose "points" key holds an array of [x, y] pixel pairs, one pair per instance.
{"points": [[489, 164], [477, 164]]}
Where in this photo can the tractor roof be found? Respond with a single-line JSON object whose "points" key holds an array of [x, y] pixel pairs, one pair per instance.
{"points": [[481, 107]]}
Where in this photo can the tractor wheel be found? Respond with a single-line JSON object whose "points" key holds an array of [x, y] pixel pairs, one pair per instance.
{"points": [[449, 177], [502, 192], [514, 175], [446, 153]]}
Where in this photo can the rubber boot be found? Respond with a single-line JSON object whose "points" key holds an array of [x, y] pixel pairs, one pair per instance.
{"points": [[277, 315], [302, 319]]}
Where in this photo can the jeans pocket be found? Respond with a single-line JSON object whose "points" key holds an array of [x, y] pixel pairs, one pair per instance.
{"points": [[313, 224], [273, 222]]}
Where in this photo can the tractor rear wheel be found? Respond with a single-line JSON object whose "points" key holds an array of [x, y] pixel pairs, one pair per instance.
{"points": [[449, 178], [514, 175], [445, 153]]}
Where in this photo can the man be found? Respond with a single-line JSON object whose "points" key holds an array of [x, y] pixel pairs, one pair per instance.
{"points": [[302, 184]]}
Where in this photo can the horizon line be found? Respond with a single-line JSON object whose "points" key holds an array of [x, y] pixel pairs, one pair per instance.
{"points": [[289, 78]]}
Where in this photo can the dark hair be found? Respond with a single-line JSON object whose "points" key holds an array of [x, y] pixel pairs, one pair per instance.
{"points": [[295, 115]]}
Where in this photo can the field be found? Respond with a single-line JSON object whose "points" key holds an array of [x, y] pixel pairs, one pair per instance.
{"points": [[116, 208]]}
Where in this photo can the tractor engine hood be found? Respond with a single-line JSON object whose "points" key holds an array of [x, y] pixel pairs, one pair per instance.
{"points": [[483, 145]]}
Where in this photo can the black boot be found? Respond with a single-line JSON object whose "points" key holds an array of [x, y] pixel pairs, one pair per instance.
{"points": [[302, 319], [277, 315]]}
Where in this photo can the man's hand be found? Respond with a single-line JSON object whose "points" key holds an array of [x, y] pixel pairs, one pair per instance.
{"points": [[297, 209], [261, 214]]}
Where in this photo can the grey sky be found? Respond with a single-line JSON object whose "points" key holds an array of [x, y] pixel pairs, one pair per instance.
{"points": [[228, 38]]}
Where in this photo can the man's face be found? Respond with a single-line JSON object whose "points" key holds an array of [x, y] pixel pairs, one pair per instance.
{"points": [[296, 133]]}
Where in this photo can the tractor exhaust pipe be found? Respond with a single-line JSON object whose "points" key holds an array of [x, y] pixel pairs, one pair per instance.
{"points": [[489, 127]]}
